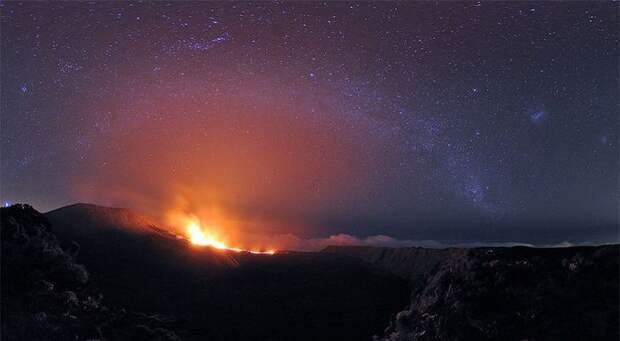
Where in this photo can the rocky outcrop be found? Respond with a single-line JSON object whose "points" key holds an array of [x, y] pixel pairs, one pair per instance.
{"points": [[514, 293], [46, 295]]}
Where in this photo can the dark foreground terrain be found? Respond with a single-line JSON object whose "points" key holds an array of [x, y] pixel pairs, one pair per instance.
{"points": [[86, 272], [157, 287], [516, 293]]}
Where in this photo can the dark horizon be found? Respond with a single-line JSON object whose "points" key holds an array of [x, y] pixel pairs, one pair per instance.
{"points": [[564, 237]]}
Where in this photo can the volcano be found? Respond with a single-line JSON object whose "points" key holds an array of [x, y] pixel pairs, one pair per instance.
{"points": [[109, 273], [225, 295]]}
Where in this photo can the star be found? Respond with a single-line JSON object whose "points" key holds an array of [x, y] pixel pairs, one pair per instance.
{"points": [[536, 116]]}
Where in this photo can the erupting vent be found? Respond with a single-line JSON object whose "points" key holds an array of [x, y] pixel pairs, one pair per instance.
{"points": [[198, 237]]}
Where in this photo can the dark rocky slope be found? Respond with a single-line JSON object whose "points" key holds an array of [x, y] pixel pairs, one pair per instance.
{"points": [[516, 293], [126, 253], [46, 295]]}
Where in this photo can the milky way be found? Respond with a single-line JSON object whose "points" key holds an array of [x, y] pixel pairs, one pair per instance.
{"points": [[445, 121]]}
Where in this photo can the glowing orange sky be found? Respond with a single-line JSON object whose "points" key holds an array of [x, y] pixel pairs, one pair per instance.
{"points": [[252, 165]]}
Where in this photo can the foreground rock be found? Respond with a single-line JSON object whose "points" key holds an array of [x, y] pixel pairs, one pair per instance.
{"points": [[46, 295], [514, 293]]}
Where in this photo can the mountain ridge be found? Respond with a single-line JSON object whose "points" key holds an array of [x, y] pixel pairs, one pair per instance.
{"points": [[114, 217], [420, 294], [211, 289]]}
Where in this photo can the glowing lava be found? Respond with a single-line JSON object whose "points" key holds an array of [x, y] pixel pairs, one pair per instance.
{"points": [[198, 237]]}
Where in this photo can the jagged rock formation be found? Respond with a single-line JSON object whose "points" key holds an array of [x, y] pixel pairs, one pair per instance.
{"points": [[46, 295], [514, 293]]}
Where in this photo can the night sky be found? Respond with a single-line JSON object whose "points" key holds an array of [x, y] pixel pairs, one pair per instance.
{"points": [[455, 122]]}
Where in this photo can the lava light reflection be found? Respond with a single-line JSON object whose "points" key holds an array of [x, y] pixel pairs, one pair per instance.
{"points": [[198, 237]]}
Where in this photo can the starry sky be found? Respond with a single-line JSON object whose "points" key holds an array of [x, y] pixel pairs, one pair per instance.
{"points": [[483, 122]]}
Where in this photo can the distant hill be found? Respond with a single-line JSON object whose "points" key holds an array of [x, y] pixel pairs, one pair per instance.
{"points": [[413, 263], [95, 218], [120, 231]]}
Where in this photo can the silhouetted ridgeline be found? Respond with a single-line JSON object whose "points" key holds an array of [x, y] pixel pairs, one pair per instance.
{"points": [[413, 263], [516, 293], [46, 295], [159, 287], [202, 293]]}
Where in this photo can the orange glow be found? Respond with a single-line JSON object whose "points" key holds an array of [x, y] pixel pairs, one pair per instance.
{"points": [[244, 161], [198, 237]]}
